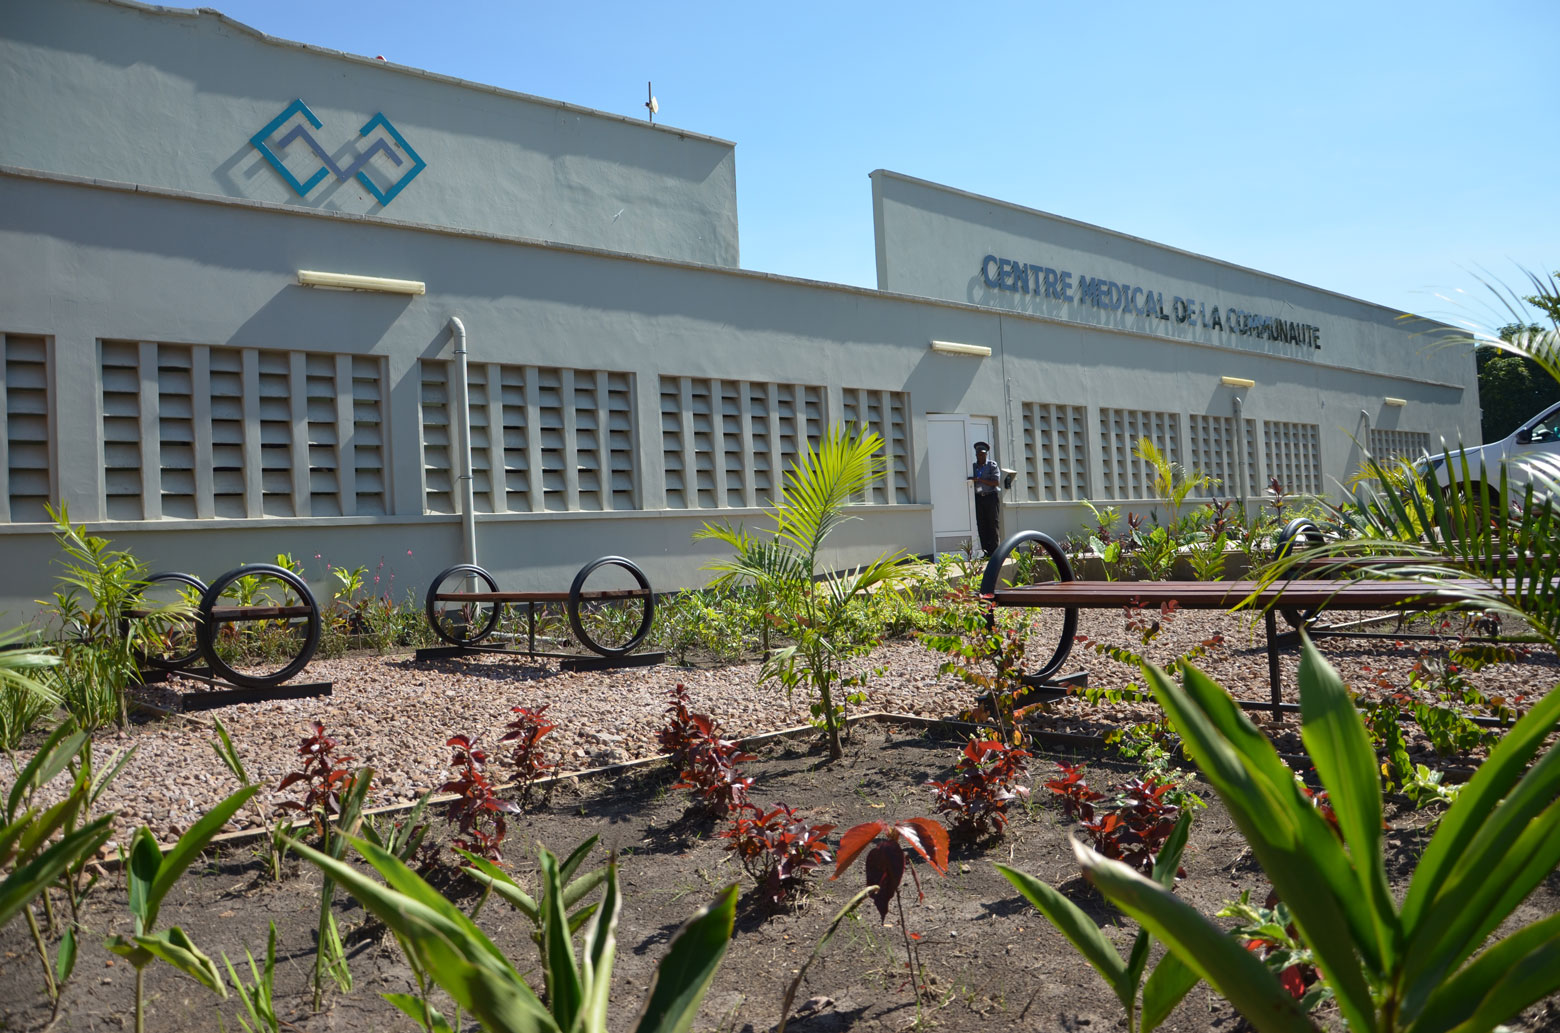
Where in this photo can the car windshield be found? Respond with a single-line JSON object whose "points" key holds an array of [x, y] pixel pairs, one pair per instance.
{"points": [[1547, 426]]}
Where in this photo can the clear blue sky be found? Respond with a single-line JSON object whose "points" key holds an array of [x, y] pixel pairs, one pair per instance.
{"points": [[1387, 151]]}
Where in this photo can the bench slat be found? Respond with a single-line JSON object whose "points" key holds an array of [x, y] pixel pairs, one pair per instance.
{"points": [[258, 613], [1222, 595], [536, 597]]}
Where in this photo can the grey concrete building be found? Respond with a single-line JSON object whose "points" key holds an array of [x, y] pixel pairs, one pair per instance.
{"points": [[192, 368]]}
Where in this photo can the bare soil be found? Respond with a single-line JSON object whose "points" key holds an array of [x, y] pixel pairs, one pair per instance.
{"points": [[992, 962]]}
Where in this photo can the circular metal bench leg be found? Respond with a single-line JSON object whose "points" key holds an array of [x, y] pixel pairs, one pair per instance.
{"points": [[1298, 533], [206, 631], [449, 631], [574, 606], [989, 582], [174, 661]]}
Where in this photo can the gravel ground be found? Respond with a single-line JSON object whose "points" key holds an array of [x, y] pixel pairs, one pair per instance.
{"points": [[395, 713]]}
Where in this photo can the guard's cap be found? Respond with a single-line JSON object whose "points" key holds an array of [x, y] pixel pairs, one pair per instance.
{"points": [[981, 446]]}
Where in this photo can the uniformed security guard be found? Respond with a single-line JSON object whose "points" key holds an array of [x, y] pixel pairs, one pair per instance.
{"points": [[987, 481]]}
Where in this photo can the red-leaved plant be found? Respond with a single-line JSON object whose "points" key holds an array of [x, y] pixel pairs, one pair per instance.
{"points": [[706, 763], [886, 863], [1077, 798], [1133, 827], [986, 781], [777, 848], [1137, 823], [326, 775], [478, 811], [680, 734], [528, 757]]}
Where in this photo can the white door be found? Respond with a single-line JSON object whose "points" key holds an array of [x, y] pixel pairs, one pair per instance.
{"points": [[950, 448]]}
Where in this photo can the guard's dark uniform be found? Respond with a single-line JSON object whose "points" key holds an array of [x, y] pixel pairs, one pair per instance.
{"points": [[987, 498]]}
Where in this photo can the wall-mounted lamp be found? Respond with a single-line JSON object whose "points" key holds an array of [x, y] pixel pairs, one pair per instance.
{"points": [[349, 282], [1237, 382], [954, 348], [1395, 402]]}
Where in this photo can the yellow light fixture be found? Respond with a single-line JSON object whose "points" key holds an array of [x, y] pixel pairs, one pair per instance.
{"points": [[1395, 402], [955, 348], [350, 282], [1237, 382]]}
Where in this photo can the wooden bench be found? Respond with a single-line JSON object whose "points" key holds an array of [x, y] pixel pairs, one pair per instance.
{"points": [[1303, 596]]}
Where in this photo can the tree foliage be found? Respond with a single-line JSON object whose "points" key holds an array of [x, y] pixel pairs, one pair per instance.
{"points": [[1513, 386]]}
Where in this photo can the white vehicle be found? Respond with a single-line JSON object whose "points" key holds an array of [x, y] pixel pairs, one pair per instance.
{"points": [[1536, 444]]}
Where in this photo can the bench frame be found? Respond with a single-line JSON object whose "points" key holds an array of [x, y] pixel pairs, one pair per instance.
{"points": [[606, 656], [1303, 597], [228, 685]]}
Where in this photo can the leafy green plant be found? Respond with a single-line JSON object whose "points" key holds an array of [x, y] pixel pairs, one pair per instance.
{"points": [[226, 752], [42, 848], [149, 876], [449, 949], [1208, 557], [401, 838], [1155, 552], [26, 692], [575, 887], [257, 998], [100, 653], [1269, 933], [1147, 1004], [814, 501], [1390, 966], [986, 654], [330, 955]]}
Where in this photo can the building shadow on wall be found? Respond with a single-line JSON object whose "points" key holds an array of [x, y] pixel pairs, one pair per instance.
{"points": [[307, 318]]}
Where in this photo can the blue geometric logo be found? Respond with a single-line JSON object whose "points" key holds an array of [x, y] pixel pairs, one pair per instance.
{"points": [[269, 150]]}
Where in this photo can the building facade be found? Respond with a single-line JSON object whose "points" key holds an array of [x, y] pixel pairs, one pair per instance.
{"points": [[191, 368]]}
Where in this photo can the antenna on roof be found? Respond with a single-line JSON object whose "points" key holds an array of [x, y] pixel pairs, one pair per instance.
{"points": [[651, 105]]}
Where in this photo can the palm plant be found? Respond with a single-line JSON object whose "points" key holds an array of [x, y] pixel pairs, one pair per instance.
{"points": [[1171, 481], [1495, 550], [812, 609], [1408, 966], [101, 657], [1391, 967]]}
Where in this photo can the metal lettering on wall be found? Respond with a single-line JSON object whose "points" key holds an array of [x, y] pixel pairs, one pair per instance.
{"points": [[273, 150], [1005, 274]]}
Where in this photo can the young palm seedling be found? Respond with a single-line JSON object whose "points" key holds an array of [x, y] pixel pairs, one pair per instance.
{"points": [[259, 1008]]}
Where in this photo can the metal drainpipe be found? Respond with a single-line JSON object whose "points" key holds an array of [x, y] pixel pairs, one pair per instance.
{"points": [[1240, 452], [468, 502]]}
